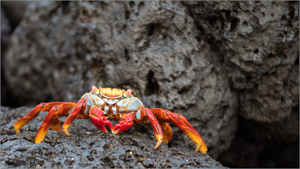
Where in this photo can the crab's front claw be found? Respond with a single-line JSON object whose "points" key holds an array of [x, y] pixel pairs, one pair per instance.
{"points": [[124, 125], [99, 120]]}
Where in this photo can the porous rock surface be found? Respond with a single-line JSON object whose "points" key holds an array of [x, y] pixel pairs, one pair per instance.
{"points": [[209, 61], [259, 44], [5, 35], [88, 150], [61, 49]]}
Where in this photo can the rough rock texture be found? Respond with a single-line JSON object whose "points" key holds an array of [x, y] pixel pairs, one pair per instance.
{"points": [[82, 150], [259, 43], [61, 49], [5, 35], [213, 62]]}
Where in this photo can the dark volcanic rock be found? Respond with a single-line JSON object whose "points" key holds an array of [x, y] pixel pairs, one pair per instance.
{"points": [[61, 49], [259, 44], [5, 35], [82, 150], [213, 62]]}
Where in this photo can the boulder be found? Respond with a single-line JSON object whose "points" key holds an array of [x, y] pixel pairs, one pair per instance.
{"points": [[88, 149], [61, 49]]}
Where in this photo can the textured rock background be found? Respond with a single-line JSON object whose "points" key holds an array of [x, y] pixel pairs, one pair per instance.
{"points": [[226, 66]]}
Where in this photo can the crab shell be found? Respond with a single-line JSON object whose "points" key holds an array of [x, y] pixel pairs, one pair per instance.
{"points": [[113, 102]]}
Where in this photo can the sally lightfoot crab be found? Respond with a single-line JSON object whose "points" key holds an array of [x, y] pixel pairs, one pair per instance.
{"points": [[105, 104]]}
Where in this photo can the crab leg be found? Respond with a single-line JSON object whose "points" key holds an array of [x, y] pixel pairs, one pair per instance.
{"points": [[35, 112], [98, 119], [182, 124], [78, 112], [52, 120], [125, 124], [145, 114], [167, 131]]}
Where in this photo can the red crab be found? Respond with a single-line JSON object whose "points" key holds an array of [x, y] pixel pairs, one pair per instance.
{"points": [[104, 104]]}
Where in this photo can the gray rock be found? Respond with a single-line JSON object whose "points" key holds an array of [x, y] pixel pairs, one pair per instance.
{"points": [[209, 61], [259, 44], [82, 150], [5, 35], [61, 49]]}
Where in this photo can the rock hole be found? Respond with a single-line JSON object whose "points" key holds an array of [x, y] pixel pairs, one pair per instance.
{"points": [[141, 6], [297, 61], [157, 104], [245, 23], [284, 19], [147, 59], [212, 20], [152, 86], [185, 89], [227, 13], [187, 62], [222, 142], [93, 151], [248, 78], [234, 23], [131, 4], [84, 12], [127, 14], [90, 158], [151, 29], [107, 162], [69, 162], [254, 22], [65, 6], [263, 14], [256, 51], [127, 57], [272, 14], [102, 5], [292, 12]]}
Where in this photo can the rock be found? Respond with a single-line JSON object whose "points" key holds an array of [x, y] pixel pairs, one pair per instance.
{"points": [[15, 11], [5, 30], [259, 44], [214, 62], [5, 35], [61, 49], [82, 150]]}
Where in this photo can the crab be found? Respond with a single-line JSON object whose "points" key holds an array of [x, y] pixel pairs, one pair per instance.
{"points": [[104, 104]]}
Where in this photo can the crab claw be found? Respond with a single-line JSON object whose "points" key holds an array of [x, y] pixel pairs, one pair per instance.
{"points": [[99, 120], [124, 125]]}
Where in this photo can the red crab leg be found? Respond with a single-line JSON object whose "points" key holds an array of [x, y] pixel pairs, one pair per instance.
{"points": [[124, 124], [31, 115], [98, 119], [183, 125], [79, 108], [167, 131], [155, 125], [52, 119]]}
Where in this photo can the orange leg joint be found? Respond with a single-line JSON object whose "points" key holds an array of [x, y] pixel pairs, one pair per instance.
{"points": [[165, 117], [52, 120], [35, 112], [79, 108], [156, 127]]}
